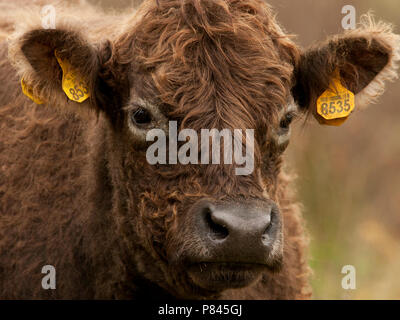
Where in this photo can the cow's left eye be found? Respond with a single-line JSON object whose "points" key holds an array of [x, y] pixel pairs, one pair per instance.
{"points": [[140, 116]]}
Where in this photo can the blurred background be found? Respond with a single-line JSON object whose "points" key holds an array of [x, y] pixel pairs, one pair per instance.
{"points": [[348, 176]]}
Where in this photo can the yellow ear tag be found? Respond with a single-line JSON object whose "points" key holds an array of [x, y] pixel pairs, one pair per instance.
{"points": [[27, 90], [336, 104], [73, 84]]}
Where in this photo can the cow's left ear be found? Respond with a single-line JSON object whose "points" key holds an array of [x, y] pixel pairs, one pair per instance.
{"points": [[363, 59], [59, 67]]}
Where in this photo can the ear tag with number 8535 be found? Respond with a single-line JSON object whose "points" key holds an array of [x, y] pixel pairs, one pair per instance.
{"points": [[73, 84], [336, 104]]}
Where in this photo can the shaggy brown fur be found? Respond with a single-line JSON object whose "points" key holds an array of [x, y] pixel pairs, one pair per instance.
{"points": [[76, 191]]}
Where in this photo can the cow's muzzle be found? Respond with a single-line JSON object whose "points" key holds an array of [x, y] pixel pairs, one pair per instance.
{"points": [[242, 239]]}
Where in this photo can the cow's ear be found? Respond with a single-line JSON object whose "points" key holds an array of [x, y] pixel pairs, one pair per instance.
{"points": [[363, 59], [58, 67]]}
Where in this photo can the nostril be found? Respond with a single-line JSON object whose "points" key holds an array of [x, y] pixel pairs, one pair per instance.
{"points": [[217, 231], [267, 234]]}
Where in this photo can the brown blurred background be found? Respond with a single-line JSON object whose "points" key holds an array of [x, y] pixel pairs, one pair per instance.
{"points": [[348, 177]]}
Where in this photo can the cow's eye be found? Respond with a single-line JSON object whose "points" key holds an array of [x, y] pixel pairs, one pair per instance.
{"points": [[287, 120], [140, 116]]}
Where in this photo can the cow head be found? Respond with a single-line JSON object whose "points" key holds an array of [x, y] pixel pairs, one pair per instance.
{"points": [[198, 229]]}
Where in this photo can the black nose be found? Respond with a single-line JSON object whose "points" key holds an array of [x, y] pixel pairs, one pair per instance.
{"points": [[240, 232]]}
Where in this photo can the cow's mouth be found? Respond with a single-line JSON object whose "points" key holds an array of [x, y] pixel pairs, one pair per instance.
{"points": [[218, 276]]}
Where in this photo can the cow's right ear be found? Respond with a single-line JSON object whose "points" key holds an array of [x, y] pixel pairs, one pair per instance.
{"points": [[359, 61], [59, 66]]}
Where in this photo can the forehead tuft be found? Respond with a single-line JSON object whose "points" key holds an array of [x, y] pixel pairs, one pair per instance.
{"points": [[226, 62]]}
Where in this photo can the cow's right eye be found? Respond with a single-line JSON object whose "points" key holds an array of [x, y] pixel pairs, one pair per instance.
{"points": [[286, 121], [140, 116]]}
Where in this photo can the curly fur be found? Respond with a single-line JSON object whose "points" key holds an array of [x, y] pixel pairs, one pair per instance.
{"points": [[76, 190]]}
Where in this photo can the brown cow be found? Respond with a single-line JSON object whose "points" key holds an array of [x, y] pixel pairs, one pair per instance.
{"points": [[77, 191]]}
